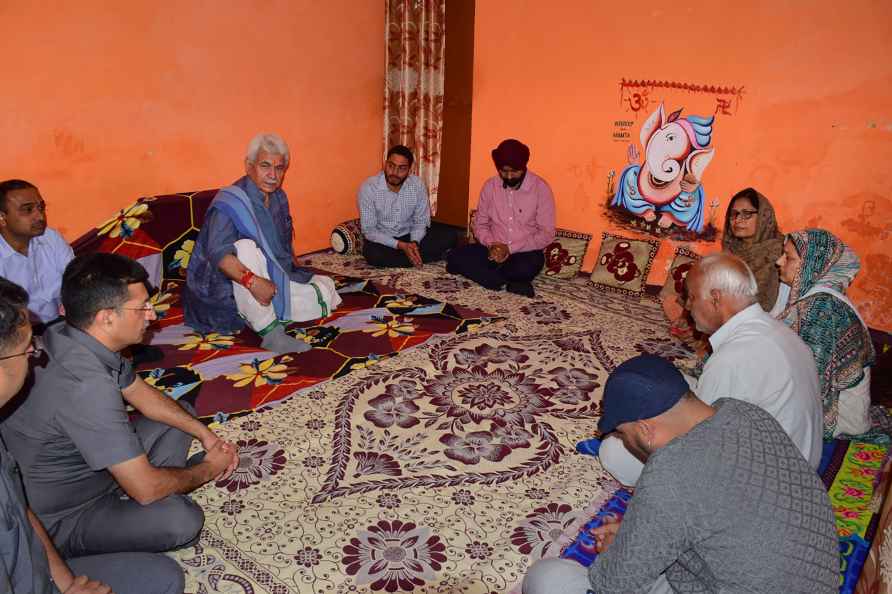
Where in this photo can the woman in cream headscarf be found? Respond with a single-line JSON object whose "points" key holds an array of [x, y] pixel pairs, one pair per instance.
{"points": [[819, 267], [751, 233]]}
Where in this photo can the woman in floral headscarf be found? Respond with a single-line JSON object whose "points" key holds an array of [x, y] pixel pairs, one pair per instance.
{"points": [[818, 268], [751, 234]]}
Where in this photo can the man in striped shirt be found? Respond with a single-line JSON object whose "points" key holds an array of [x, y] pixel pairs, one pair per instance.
{"points": [[395, 216]]}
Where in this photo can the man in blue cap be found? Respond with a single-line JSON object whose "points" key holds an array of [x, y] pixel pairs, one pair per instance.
{"points": [[725, 503]]}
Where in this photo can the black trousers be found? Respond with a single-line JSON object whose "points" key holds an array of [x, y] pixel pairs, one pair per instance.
{"points": [[472, 261], [438, 239]]}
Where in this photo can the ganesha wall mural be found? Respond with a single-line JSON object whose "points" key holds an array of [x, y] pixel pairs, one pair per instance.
{"points": [[663, 192]]}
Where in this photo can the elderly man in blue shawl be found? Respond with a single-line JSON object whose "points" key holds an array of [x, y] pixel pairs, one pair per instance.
{"points": [[242, 268]]}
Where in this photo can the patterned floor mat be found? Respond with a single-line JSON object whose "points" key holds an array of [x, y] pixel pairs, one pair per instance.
{"points": [[224, 376], [449, 468]]}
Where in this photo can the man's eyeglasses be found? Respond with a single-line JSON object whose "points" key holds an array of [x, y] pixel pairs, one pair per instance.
{"points": [[743, 215], [145, 308], [34, 350]]}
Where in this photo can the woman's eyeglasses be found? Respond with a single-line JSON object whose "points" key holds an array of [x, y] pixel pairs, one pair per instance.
{"points": [[743, 215]]}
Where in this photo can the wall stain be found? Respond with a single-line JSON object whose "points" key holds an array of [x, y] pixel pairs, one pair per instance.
{"points": [[866, 224], [876, 293], [70, 147]]}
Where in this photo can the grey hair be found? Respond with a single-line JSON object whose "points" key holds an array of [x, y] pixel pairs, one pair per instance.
{"points": [[271, 143], [730, 275]]}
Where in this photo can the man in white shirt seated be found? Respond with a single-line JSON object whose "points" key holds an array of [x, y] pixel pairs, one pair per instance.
{"points": [[754, 358], [32, 255]]}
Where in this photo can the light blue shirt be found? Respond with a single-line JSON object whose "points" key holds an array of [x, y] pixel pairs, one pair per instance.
{"points": [[386, 215], [39, 273]]}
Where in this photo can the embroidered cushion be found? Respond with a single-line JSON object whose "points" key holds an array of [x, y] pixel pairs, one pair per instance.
{"points": [[674, 286], [564, 255], [623, 264]]}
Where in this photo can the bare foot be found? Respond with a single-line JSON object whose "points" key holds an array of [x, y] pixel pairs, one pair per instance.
{"points": [[649, 216], [665, 221]]}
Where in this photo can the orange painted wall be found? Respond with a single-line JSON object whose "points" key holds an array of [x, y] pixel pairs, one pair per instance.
{"points": [[813, 130], [105, 102]]}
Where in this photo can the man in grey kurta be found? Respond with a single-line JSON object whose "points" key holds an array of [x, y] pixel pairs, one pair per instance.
{"points": [[65, 445], [99, 482], [726, 502], [29, 563]]}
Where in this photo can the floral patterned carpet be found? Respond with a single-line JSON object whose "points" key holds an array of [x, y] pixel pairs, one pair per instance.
{"points": [[225, 376], [447, 468]]}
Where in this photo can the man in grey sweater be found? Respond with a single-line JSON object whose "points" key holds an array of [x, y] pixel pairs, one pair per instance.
{"points": [[726, 502]]}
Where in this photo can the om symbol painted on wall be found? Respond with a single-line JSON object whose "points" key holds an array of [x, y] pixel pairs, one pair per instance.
{"points": [[638, 100]]}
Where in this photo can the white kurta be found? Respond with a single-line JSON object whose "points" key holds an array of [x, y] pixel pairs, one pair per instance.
{"points": [[304, 298], [759, 360]]}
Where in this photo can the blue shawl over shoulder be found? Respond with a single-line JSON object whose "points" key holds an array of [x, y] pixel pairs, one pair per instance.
{"points": [[233, 201], [208, 301]]}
